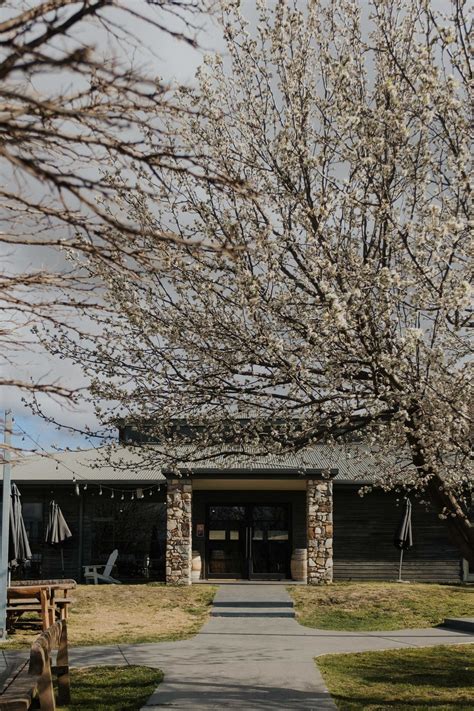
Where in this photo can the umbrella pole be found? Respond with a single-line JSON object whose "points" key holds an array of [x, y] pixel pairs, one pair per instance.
{"points": [[400, 567], [6, 493]]}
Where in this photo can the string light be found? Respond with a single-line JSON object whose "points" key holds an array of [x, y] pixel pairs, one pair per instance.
{"points": [[135, 494]]}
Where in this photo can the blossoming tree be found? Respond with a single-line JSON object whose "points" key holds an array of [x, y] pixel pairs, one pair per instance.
{"points": [[343, 308], [78, 90]]}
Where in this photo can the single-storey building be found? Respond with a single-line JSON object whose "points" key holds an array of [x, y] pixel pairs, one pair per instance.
{"points": [[241, 517]]}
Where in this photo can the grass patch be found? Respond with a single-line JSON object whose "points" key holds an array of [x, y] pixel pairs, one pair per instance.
{"points": [[112, 688], [380, 606], [130, 614], [402, 679]]}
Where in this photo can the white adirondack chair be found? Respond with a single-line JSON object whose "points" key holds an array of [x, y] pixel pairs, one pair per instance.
{"points": [[91, 572]]}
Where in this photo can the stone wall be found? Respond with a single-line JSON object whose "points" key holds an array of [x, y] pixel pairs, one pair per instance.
{"points": [[178, 532], [320, 531]]}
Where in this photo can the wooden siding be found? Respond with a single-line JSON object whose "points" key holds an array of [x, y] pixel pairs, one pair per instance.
{"points": [[364, 529], [363, 532]]}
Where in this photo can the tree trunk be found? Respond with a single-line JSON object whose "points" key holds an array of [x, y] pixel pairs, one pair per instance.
{"points": [[459, 527]]}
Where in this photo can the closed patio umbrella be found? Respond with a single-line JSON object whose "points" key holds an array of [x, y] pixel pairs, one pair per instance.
{"points": [[57, 530], [19, 548], [403, 536]]}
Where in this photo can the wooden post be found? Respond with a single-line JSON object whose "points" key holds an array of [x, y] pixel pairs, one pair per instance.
{"points": [[62, 668], [45, 617], [45, 681], [40, 666]]}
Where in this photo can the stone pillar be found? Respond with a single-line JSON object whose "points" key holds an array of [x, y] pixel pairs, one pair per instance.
{"points": [[178, 532], [320, 531]]}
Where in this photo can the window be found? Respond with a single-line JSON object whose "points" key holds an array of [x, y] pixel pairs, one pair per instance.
{"points": [[33, 518], [227, 513], [136, 528], [277, 535], [217, 535]]}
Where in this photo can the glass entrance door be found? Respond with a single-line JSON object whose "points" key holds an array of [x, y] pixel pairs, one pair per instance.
{"points": [[226, 541], [249, 541], [269, 553]]}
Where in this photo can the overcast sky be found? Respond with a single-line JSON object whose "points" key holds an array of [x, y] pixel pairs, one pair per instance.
{"points": [[173, 61]]}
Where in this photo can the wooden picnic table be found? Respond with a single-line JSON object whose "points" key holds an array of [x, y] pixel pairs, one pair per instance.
{"points": [[48, 598]]}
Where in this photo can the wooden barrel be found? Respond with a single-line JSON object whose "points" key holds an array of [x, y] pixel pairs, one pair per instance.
{"points": [[196, 565], [218, 562], [299, 561]]}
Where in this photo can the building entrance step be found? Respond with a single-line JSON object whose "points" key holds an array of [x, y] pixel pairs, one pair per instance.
{"points": [[252, 612], [240, 581], [242, 606], [253, 603]]}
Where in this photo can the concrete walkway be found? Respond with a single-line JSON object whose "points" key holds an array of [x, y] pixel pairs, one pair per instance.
{"points": [[252, 655]]}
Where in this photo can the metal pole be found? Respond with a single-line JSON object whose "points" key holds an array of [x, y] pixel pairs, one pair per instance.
{"points": [[6, 493], [81, 539], [400, 568]]}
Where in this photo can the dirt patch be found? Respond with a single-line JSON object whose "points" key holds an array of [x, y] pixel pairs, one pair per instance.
{"points": [[127, 614]]}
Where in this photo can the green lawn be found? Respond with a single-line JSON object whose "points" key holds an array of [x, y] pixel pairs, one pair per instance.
{"points": [[402, 679], [112, 688], [380, 606]]}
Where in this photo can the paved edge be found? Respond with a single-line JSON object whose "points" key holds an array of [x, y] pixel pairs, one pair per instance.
{"points": [[464, 624]]}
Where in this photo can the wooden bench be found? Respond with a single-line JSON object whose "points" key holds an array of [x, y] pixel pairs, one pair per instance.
{"points": [[34, 678], [65, 582], [29, 599], [48, 598]]}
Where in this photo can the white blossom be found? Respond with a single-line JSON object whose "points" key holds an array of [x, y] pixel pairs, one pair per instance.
{"points": [[333, 300]]}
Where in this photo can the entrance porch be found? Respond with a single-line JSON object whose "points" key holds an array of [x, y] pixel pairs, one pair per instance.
{"points": [[247, 529]]}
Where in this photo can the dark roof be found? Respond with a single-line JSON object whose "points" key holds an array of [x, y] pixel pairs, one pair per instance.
{"points": [[352, 463]]}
